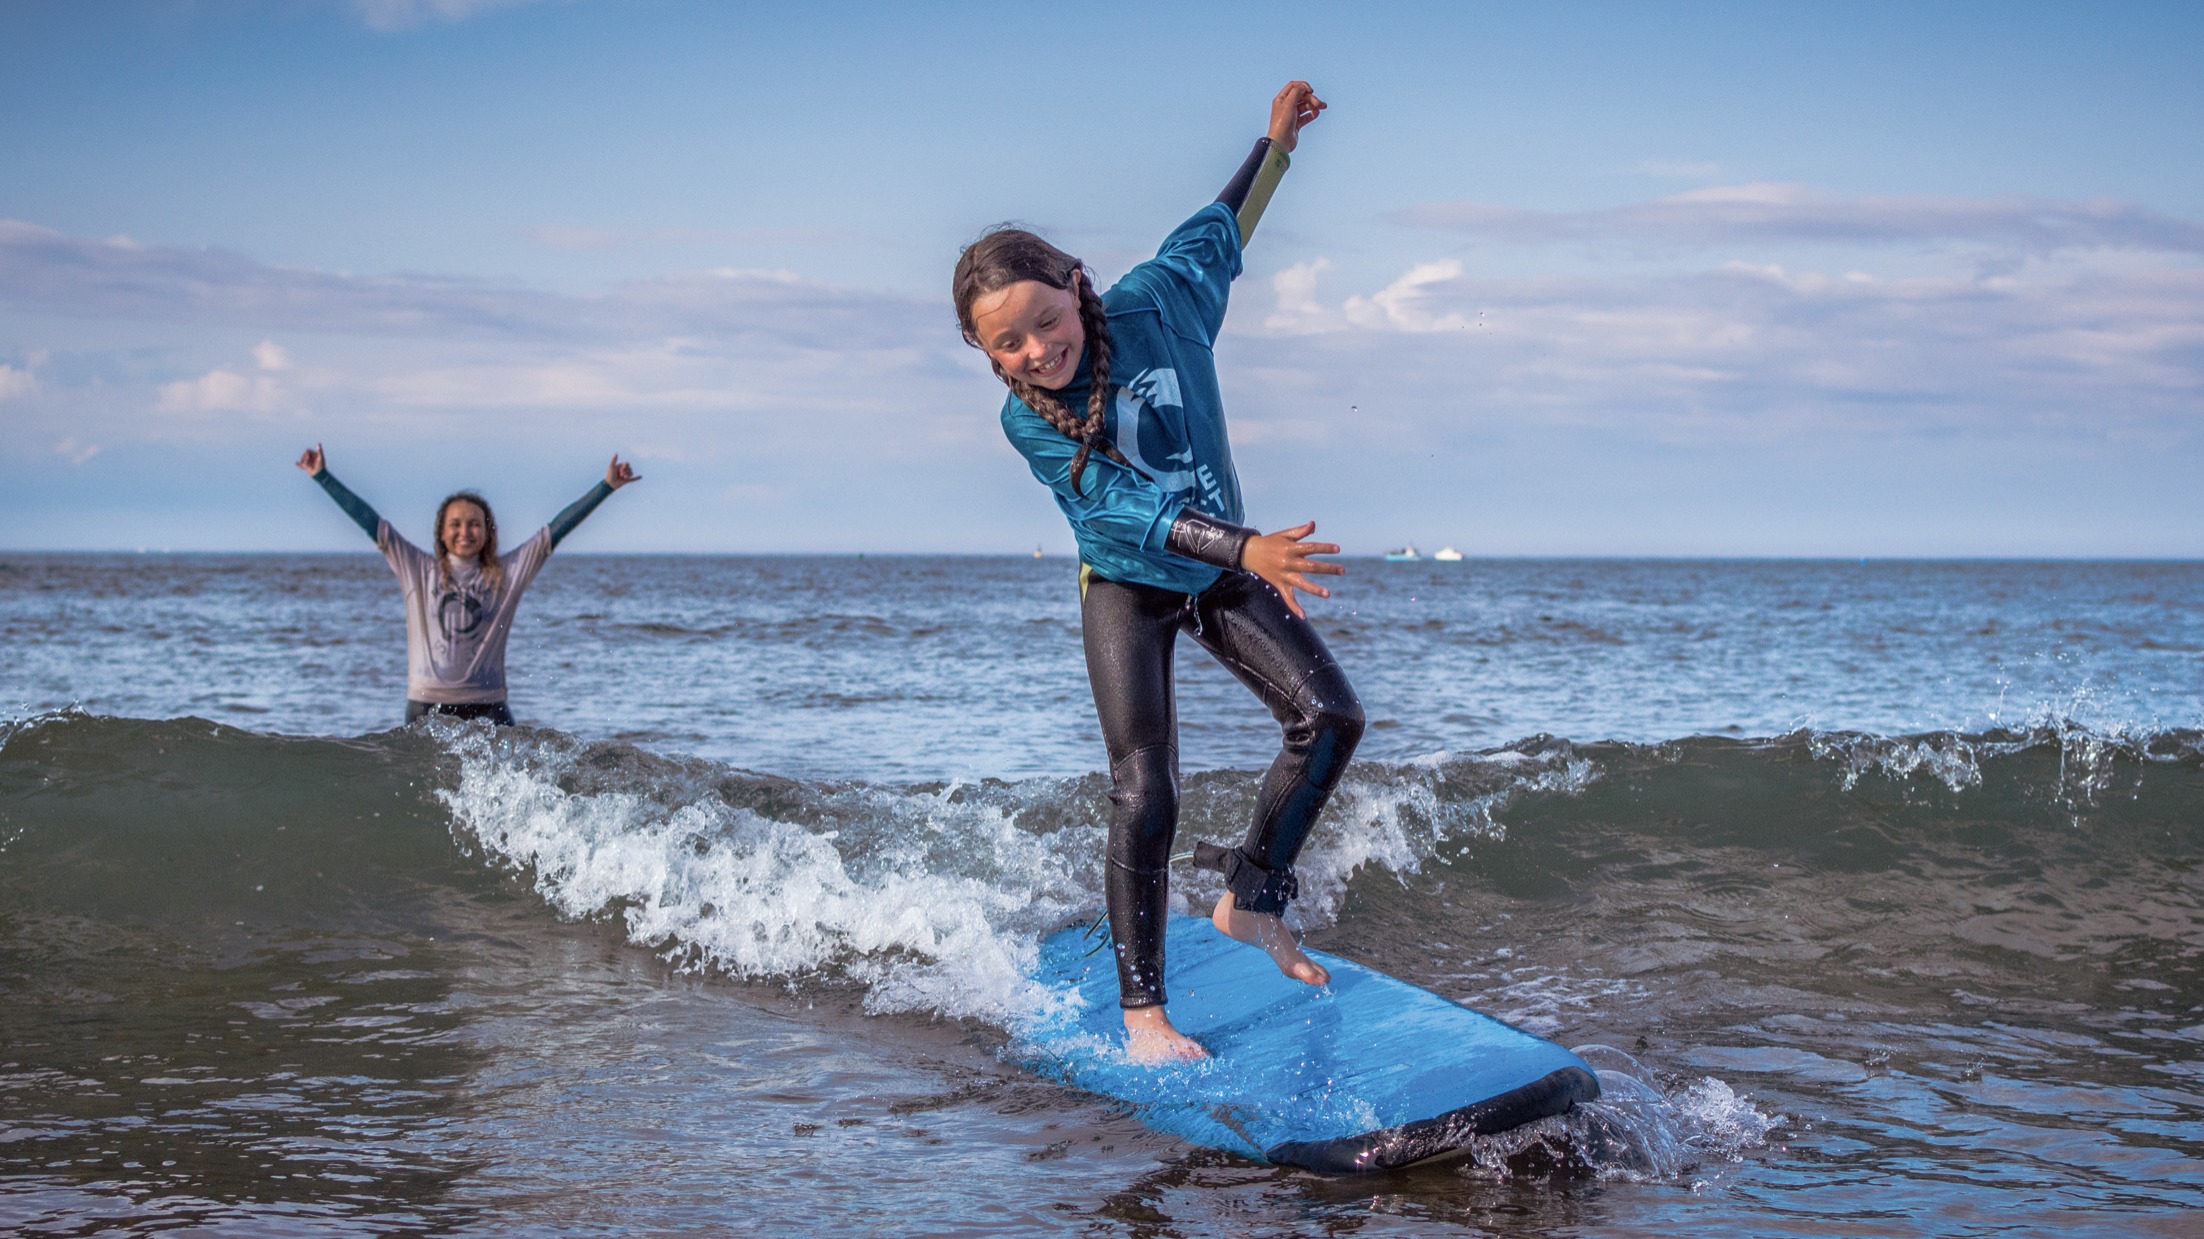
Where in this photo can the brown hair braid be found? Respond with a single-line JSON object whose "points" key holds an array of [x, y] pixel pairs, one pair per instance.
{"points": [[1004, 257], [486, 559]]}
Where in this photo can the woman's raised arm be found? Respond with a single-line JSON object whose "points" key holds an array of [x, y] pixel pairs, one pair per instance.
{"points": [[617, 475], [316, 464]]}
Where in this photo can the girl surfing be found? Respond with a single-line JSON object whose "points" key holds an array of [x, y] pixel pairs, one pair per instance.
{"points": [[460, 601], [1114, 404]]}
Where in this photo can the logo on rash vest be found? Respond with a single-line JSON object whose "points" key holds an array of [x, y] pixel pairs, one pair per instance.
{"points": [[1138, 423], [469, 612]]}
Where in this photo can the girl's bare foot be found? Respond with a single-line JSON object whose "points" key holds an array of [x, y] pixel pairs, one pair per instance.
{"points": [[1149, 1038], [1271, 934]]}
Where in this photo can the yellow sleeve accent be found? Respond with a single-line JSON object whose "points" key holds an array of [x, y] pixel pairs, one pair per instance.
{"points": [[1258, 194]]}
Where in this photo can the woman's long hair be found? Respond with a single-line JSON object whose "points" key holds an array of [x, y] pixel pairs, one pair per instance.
{"points": [[1006, 256], [486, 559]]}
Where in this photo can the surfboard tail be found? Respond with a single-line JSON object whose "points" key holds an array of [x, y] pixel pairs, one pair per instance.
{"points": [[1394, 1147]]}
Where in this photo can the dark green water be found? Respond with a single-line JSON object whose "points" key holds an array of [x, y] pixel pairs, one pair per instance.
{"points": [[429, 984]]}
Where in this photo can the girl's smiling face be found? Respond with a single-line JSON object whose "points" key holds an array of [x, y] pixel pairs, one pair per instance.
{"points": [[1032, 332]]}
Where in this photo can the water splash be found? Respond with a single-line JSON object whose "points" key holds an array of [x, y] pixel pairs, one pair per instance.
{"points": [[1640, 1130]]}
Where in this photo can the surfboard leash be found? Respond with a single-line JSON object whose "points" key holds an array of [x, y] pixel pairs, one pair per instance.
{"points": [[1103, 919]]}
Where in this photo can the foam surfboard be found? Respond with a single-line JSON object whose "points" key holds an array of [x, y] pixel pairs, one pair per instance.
{"points": [[1368, 1073]]}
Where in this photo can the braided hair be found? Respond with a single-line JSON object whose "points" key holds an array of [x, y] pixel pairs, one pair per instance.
{"points": [[1006, 256]]}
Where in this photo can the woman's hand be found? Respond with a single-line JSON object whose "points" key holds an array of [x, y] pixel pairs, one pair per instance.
{"points": [[1282, 559], [1294, 107], [618, 475], [313, 461]]}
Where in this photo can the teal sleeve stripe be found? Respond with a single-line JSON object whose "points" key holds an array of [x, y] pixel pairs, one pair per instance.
{"points": [[564, 523], [354, 506]]}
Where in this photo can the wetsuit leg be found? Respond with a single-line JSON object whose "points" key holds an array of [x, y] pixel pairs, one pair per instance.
{"points": [[495, 711], [1279, 655], [1129, 631]]}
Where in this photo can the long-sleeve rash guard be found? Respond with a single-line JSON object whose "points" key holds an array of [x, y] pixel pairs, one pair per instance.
{"points": [[456, 627], [1165, 415]]}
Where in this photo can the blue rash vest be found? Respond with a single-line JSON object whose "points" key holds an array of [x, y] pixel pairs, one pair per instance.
{"points": [[1165, 413]]}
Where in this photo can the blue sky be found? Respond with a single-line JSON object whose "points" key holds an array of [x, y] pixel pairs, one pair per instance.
{"points": [[1866, 279]]}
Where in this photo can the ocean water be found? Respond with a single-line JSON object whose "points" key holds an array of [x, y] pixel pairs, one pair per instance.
{"points": [[1871, 888]]}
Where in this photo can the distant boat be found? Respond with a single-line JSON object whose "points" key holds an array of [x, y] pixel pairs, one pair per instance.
{"points": [[1036, 552], [1448, 555], [1405, 555]]}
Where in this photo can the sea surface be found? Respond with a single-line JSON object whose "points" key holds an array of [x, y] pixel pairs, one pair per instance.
{"points": [[1872, 888]]}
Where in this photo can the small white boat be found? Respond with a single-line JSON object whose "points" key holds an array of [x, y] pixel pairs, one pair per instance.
{"points": [[1448, 555], [1404, 555]]}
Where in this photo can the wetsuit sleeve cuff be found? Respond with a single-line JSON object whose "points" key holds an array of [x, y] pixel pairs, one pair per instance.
{"points": [[1249, 190], [354, 506], [1207, 540], [575, 512]]}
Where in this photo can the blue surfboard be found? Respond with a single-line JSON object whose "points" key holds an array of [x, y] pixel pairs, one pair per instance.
{"points": [[1368, 1073]]}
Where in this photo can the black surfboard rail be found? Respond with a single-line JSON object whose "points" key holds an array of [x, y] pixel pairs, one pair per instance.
{"points": [[1394, 1147]]}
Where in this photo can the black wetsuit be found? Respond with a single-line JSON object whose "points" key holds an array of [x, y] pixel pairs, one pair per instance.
{"points": [[1129, 632], [495, 711]]}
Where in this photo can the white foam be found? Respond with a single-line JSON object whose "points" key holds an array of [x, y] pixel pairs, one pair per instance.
{"points": [[711, 885], [934, 901]]}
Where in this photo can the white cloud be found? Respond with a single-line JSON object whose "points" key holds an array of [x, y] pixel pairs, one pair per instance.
{"points": [[2080, 339], [220, 391], [51, 272], [1405, 304], [74, 452], [1347, 383], [727, 358], [223, 390], [392, 16], [16, 382], [1732, 214], [1295, 289]]}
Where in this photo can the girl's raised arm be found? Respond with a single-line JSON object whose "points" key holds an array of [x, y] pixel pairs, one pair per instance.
{"points": [[316, 464], [617, 475], [1249, 190]]}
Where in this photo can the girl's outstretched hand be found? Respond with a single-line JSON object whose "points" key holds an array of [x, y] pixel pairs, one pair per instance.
{"points": [[1294, 107], [618, 475], [1282, 559], [313, 461]]}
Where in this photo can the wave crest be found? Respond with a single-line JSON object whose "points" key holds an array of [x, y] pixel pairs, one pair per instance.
{"points": [[933, 898]]}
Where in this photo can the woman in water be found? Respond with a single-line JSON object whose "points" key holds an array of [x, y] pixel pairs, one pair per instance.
{"points": [[460, 601], [1114, 404]]}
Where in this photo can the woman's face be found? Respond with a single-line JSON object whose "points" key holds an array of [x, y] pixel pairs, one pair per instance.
{"points": [[1032, 331], [464, 529]]}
